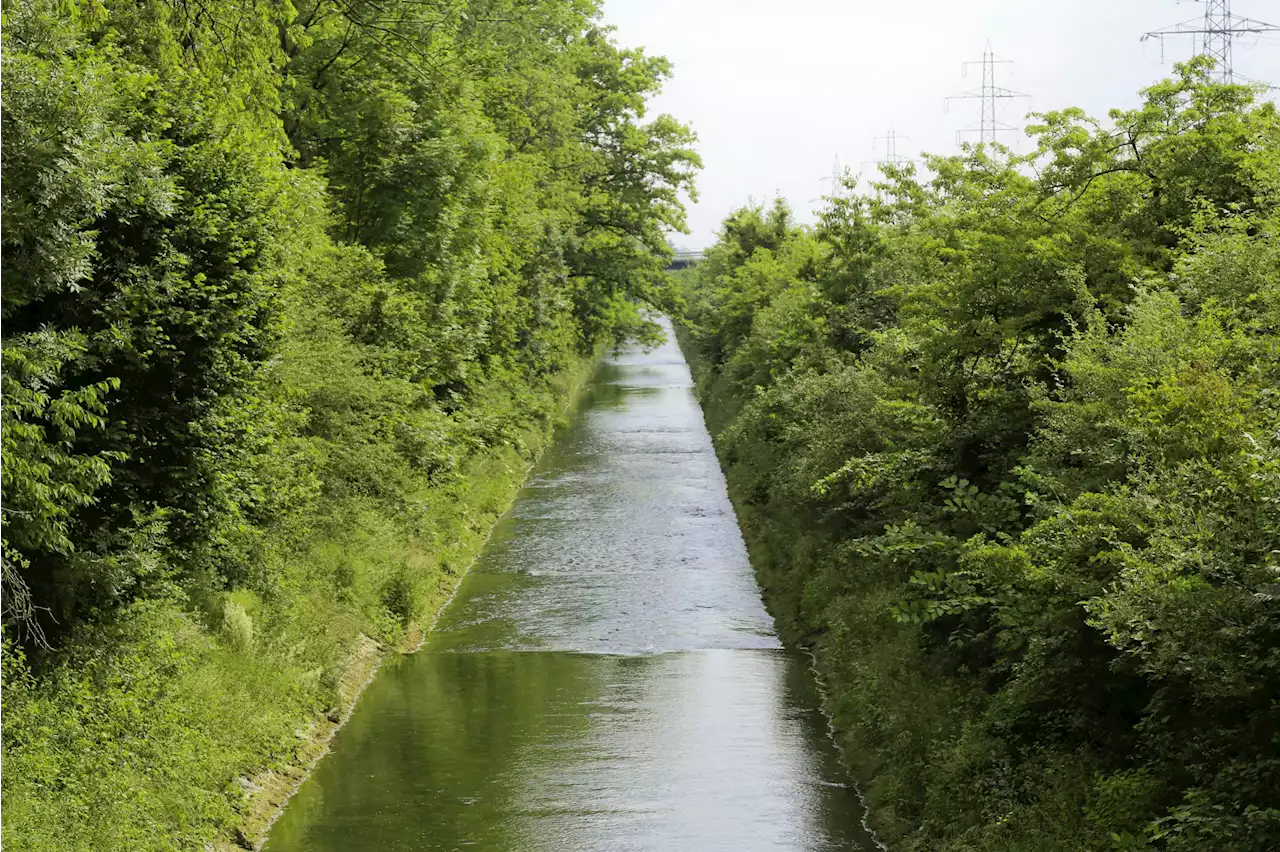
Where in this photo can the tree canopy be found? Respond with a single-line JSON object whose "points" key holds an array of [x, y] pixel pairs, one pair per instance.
{"points": [[472, 189]]}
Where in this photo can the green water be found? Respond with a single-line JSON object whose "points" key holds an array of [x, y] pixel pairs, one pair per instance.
{"points": [[606, 677]]}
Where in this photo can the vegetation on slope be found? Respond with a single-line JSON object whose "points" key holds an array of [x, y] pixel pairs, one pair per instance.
{"points": [[293, 293], [1006, 443]]}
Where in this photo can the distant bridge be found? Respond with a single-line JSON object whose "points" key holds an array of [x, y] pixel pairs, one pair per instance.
{"points": [[686, 258]]}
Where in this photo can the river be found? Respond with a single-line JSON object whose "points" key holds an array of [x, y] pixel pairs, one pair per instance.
{"points": [[606, 677]]}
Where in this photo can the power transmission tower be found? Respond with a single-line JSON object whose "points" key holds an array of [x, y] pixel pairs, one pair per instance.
{"points": [[891, 156], [836, 178], [990, 94], [1217, 31]]}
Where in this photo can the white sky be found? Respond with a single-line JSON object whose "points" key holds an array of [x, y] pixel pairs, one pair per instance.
{"points": [[778, 89]]}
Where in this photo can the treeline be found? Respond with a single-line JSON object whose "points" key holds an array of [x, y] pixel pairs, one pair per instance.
{"points": [[292, 294], [1004, 435]]}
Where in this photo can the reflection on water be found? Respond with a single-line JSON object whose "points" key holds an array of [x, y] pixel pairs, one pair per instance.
{"points": [[606, 678]]}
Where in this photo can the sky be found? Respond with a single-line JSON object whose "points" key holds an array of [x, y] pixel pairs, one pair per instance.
{"points": [[777, 91]]}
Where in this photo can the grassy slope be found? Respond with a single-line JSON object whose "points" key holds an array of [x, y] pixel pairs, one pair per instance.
{"points": [[172, 729], [886, 707]]}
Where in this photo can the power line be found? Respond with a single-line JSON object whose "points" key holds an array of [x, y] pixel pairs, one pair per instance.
{"points": [[1217, 31], [989, 126]]}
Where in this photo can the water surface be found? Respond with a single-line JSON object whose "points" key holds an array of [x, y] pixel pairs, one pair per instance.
{"points": [[606, 677]]}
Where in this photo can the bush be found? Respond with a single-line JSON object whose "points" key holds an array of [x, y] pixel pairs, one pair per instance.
{"points": [[401, 596], [237, 626]]}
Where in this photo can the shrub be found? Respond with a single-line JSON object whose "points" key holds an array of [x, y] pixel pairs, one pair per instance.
{"points": [[237, 626]]}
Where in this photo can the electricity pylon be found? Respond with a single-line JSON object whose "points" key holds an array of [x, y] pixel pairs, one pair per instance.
{"points": [[989, 126], [836, 178], [891, 155], [1217, 31]]}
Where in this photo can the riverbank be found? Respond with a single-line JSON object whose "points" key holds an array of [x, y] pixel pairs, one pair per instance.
{"points": [[772, 559], [188, 723], [497, 477], [720, 404]]}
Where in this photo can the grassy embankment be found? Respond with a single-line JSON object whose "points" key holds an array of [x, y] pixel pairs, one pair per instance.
{"points": [[919, 701], [187, 726]]}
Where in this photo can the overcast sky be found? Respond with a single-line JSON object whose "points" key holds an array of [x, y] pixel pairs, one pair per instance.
{"points": [[778, 89]]}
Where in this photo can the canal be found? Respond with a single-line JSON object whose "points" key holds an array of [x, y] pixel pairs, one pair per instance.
{"points": [[606, 677]]}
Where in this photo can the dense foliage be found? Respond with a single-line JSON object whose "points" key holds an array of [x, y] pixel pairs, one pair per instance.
{"points": [[1005, 438], [292, 293]]}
